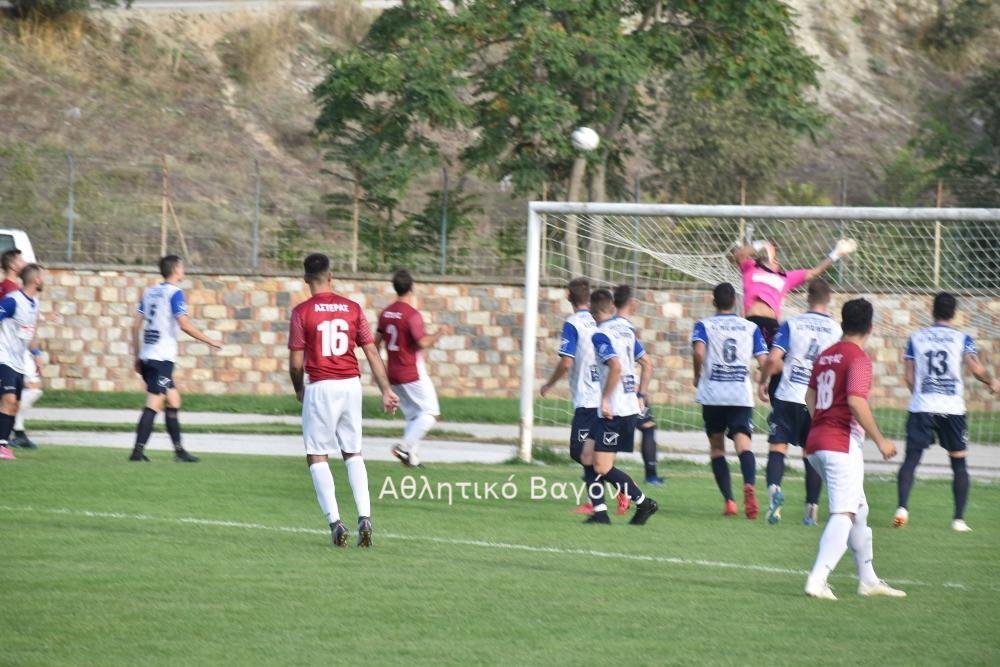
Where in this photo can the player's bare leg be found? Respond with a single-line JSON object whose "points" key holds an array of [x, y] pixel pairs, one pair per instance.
{"points": [[748, 467], [720, 469], [322, 478], [775, 473], [357, 477]]}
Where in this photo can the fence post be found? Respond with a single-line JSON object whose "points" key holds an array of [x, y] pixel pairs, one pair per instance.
{"points": [[444, 222], [165, 202], [355, 220], [70, 207], [937, 235], [255, 249]]}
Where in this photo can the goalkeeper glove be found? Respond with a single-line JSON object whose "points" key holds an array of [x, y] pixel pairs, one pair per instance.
{"points": [[843, 248]]}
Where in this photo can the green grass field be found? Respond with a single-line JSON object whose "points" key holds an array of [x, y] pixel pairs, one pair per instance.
{"points": [[227, 562]]}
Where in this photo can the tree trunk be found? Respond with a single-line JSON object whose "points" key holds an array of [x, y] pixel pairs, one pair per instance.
{"points": [[598, 193], [572, 240]]}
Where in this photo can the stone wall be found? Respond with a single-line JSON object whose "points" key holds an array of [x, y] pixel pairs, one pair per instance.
{"points": [[89, 312]]}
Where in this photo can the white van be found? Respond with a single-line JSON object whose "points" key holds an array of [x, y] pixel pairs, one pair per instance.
{"points": [[15, 238]]}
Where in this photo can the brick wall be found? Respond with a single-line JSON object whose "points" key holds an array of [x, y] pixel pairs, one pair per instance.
{"points": [[88, 339]]}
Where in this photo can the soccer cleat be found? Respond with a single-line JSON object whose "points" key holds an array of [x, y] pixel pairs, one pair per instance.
{"points": [[731, 509], [655, 480], [809, 521], [901, 518], [364, 532], [774, 507], [643, 511], [880, 588], [23, 441], [138, 455], [821, 592], [402, 455], [750, 501], [585, 508], [6, 454], [809, 518], [959, 526], [338, 533], [183, 456], [623, 503], [598, 518]]}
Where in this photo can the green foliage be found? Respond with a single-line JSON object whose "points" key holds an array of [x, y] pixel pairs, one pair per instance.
{"points": [[290, 244], [54, 8], [462, 208], [956, 26], [907, 180], [802, 194]]}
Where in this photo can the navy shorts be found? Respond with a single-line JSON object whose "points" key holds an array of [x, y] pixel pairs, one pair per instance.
{"points": [[613, 435], [788, 423], [11, 382], [579, 431], [159, 375], [951, 430], [731, 419]]}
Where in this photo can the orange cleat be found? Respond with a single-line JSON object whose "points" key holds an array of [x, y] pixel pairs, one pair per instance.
{"points": [[585, 508], [750, 501], [623, 503], [731, 508]]}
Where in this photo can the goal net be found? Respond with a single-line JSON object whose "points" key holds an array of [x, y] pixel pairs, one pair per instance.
{"points": [[672, 255]]}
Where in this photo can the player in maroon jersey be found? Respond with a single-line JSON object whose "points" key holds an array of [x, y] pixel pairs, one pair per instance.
{"points": [[401, 328], [322, 337], [837, 399]]}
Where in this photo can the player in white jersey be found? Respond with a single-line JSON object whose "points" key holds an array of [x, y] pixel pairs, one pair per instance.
{"points": [[161, 314], [18, 322], [934, 359], [613, 428], [796, 345], [577, 359], [723, 347]]}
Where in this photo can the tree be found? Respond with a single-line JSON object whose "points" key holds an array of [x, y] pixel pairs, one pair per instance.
{"points": [[519, 76], [53, 8]]}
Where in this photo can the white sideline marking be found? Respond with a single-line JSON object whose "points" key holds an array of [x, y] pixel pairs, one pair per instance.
{"points": [[670, 560]]}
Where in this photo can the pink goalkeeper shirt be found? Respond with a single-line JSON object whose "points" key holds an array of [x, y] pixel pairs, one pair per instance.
{"points": [[768, 286]]}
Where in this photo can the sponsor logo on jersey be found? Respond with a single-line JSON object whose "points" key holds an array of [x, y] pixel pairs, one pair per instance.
{"points": [[769, 279], [392, 315]]}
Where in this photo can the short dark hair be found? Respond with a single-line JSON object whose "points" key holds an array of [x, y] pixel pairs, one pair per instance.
{"points": [[579, 291], [29, 272], [601, 301], [7, 259], [168, 265], [724, 296], [402, 282], [856, 317], [945, 304], [818, 292], [316, 266], [622, 295]]}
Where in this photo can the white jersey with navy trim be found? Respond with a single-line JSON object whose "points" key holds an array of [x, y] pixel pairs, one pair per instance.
{"points": [[18, 320], [615, 339], [938, 354], [802, 338], [160, 307], [583, 375], [731, 343]]}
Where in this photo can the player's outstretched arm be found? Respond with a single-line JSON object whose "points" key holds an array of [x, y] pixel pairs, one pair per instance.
{"points": [[558, 373], [296, 364], [188, 327], [843, 248], [389, 399], [862, 412], [980, 373], [698, 359]]}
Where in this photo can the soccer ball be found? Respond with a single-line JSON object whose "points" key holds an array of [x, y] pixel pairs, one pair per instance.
{"points": [[585, 139]]}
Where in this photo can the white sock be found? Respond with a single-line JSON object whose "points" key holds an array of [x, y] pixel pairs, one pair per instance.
{"points": [[416, 429], [28, 398], [832, 545], [323, 483], [860, 541], [357, 475]]}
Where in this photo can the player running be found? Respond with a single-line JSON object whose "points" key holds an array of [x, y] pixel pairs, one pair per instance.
{"points": [[401, 328], [162, 312], [934, 358], [323, 334], [797, 344], [723, 348], [626, 305], [613, 427], [12, 262], [18, 323], [837, 399]]}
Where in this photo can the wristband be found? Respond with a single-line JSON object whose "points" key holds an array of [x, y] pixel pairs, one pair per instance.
{"points": [[834, 257], [640, 395], [36, 352]]}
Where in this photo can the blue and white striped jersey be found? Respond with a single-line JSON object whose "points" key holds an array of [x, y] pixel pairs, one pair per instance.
{"points": [[583, 375], [160, 307], [731, 343], [802, 339], [938, 354]]}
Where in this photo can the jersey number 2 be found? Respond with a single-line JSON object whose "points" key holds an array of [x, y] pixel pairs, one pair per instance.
{"points": [[824, 389], [393, 344], [334, 337]]}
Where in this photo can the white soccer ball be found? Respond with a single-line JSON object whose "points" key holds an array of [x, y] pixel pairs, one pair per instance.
{"points": [[585, 139]]}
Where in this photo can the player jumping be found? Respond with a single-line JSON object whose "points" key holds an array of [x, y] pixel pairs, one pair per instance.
{"points": [[723, 347], [797, 344], [934, 360], [323, 334], [837, 399]]}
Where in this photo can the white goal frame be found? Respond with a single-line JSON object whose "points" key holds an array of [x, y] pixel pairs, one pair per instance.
{"points": [[532, 257]]}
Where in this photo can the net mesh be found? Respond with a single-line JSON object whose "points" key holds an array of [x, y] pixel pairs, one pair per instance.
{"points": [[673, 261]]}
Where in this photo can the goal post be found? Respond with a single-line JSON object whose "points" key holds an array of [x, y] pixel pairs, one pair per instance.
{"points": [[674, 252]]}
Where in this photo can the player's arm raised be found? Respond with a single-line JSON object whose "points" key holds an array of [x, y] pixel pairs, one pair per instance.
{"points": [[980, 373], [189, 327], [389, 399], [842, 248]]}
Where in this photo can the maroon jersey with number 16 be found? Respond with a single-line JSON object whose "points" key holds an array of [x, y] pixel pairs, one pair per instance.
{"points": [[328, 328]]}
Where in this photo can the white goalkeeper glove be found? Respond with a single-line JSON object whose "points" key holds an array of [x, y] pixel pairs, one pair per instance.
{"points": [[843, 248]]}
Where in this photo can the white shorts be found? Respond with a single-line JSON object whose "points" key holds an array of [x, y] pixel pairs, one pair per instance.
{"points": [[418, 397], [844, 474], [331, 417]]}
